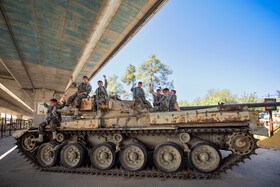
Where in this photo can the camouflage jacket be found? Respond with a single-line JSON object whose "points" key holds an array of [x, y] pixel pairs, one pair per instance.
{"points": [[157, 98], [52, 112], [168, 102], [83, 87], [138, 92], [102, 92]]}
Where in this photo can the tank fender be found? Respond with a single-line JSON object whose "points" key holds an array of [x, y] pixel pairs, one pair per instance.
{"points": [[19, 133]]}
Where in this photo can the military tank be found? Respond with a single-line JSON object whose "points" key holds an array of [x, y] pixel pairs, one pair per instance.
{"points": [[197, 142]]}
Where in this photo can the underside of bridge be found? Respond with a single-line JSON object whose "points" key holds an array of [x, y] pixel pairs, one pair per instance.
{"points": [[44, 42]]}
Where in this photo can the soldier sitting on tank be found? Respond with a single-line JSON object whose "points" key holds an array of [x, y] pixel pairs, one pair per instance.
{"points": [[83, 91], [101, 95], [157, 96], [139, 97], [167, 103], [174, 92], [53, 118]]}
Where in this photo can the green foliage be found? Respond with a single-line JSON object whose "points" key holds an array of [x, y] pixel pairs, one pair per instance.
{"points": [[129, 77], [150, 71], [115, 88], [249, 98], [155, 72], [278, 93], [213, 97], [183, 103]]}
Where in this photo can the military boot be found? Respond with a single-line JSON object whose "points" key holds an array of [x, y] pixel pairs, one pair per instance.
{"points": [[39, 139], [98, 115], [54, 135]]}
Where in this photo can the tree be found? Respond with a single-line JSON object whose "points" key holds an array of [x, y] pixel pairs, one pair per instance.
{"points": [[154, 71], [129, 77], [183, 103], [115, 88], [278, 93], [213, 97], [150, 71], [249, 98]]}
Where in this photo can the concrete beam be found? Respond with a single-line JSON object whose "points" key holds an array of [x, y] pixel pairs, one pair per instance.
{"points": [[24, 68], [7, 107], [4, 75], [105, 14]]}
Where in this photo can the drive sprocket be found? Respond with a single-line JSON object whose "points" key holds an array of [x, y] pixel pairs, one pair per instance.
{"points": [[241, 143]]}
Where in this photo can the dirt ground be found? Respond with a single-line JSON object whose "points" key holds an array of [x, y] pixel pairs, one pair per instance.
{"points": [[272, 142]]}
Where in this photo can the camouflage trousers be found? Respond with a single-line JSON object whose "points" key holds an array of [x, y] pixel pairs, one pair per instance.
{"points": [[158, 109], [53, 125], [161, 109], [156, 103], [141, 103], [96, 104], [73, 97]]}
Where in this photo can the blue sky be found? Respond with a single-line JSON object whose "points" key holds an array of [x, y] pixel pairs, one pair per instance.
{"points": [[210, 44]]}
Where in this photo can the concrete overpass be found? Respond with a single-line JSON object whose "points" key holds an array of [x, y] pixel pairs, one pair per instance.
{"points": [[44, 42]]}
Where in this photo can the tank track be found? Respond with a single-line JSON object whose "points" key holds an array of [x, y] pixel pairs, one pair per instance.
{"points": [[151, 172]]}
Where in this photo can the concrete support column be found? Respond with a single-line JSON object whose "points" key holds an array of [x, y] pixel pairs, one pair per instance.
{"points": [[39, 109]]}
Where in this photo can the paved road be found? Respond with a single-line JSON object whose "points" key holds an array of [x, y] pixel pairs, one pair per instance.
{"points": [[262, 170]]}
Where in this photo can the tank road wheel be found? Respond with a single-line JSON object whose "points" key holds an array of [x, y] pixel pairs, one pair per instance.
{"points": [[205, 157], [103, 156], [133, 157], [168, 157], [46, 155], [27, 143], [72, 155], [241, 143], [60, 137]]}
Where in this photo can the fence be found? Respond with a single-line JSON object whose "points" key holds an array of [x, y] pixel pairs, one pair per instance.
{"points": [[9, 125]]}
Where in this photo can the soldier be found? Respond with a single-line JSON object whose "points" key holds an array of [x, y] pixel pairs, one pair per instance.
{"points": [[157, 96], [53, 118], [139, 96], [101, 95], [83, 90], [174, 92], [167, 103]]}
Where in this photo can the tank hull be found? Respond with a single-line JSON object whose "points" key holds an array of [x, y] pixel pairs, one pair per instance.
{"points": [[126, 142]]}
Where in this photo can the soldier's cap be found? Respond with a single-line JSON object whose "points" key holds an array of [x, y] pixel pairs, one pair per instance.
{"points": [[158, 90], [173, 91], [85, 77], [99, 81], [53, 101], [165, 90], [140, 83]]}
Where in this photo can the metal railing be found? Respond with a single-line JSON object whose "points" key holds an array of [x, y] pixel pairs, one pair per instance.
{"points": [[9, 125]]}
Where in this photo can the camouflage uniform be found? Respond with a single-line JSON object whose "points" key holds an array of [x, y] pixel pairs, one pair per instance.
{"points": [[82, 88], [101, 95], [167, 103], [139, 98], [157, 99], [53, 118]]}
